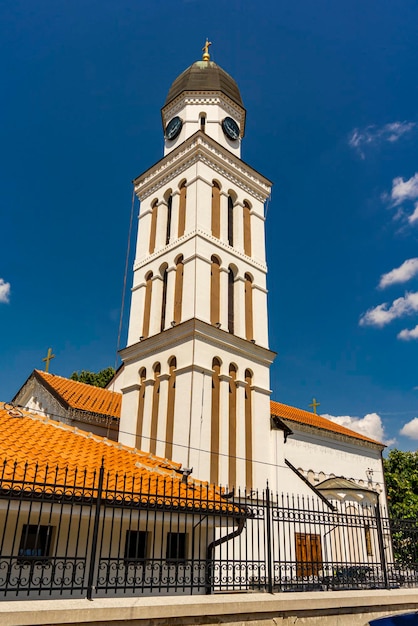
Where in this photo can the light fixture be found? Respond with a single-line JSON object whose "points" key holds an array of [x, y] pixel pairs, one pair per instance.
{"points": [[186, 473], [218, 324], [173, 323], [369, 474], [141, 338]]}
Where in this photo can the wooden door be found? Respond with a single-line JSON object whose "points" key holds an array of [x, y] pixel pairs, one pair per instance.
{"points": [[308, 554]]}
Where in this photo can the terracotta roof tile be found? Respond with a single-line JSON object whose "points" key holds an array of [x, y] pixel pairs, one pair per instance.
{"points": [[312, 419], [84, 397], [88, 398], [42, 448]]}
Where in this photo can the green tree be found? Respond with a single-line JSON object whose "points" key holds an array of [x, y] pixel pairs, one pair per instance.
{"points": [[401, 475], [97, 379]]}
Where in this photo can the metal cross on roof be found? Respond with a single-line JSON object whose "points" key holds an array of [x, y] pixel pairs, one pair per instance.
{"points": [[48, 358], [206, 55], [314, 404]]}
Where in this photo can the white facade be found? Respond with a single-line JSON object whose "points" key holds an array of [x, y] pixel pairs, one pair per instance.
{"points": [[185, 322]]}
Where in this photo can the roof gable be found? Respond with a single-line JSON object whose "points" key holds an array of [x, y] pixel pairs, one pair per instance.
{"points": [[81, 396]]}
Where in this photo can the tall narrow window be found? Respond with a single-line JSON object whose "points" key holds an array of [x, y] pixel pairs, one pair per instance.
{"points": [[214, 290], [153, 230], [216, 210], [169, 211], [248, 430], [182, 209], [178, 290], [155, 407], [230, 221], [170, 408], [164, 299], [247, 229], [140, 411], [248, 307], [214, 429], [232, 431], [147, 304], [231, 286], [203, 122]]}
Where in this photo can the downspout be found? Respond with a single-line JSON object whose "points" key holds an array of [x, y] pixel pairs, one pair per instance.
{"points": [[214, 544]]}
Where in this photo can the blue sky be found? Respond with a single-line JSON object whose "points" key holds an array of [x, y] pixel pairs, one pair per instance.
{"points": [[331, 93]]}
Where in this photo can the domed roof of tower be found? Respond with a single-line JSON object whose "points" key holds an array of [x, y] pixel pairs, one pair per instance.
{"points": [[205, 75]]}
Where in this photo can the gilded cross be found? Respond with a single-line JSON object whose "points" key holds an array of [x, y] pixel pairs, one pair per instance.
{"points": [[206, 55], [314, 404], [48, 358]]}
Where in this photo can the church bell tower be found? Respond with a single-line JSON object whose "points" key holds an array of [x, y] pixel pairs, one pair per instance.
{"points": [[195, 381]]}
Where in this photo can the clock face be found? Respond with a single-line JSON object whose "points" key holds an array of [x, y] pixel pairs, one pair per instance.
{"points": [[230, 128], [173, 128]]}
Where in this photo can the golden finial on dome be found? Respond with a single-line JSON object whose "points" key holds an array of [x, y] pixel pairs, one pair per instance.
{"points": [[206, 55]]}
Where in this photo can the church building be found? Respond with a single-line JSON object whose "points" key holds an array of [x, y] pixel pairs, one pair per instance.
{"points": [[194, 385], [195, 380]]}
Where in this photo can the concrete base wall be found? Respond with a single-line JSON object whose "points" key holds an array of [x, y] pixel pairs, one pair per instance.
{"points": [[347, 608]]}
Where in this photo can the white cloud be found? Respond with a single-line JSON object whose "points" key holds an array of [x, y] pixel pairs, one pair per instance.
{"points": [[406, 334], [370, 425], [410, 429], [372, 134], [414, 216], [4, 291], [400, 274], [404, 189], [383, 313]]}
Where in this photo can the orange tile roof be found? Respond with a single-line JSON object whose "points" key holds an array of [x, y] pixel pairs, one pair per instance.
{"points": [[34, 447], [83, 397], [311, 419], [94, 399]]}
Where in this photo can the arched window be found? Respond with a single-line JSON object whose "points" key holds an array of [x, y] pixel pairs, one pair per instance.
{"points": [[248, 307], [153, 230], [172, 364], [248, 430], [214, 429], [147, 304], [216, 210], [215, 290], [178, 290], [202, 118], [182, 209], [230, 221], [247, 228], [155, 407], [140, 411], [231, 286], [164, 299], [169, 211], [232, 431]]}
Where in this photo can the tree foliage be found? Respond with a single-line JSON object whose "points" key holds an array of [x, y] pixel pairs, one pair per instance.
{"points": [[97, 379], [401, 474]]}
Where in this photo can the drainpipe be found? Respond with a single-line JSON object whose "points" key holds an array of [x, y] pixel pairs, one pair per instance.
{"points": [[209, 551]]}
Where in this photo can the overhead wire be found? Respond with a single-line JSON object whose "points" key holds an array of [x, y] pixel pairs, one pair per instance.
{"points": [[178, 445]]}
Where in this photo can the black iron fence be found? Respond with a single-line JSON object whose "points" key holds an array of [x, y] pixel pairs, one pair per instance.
{"points": [[81, 537]]}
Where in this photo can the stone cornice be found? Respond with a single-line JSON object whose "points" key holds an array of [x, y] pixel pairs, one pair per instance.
{"points": [[202, 148], [203, 98], [208, 237], [195, 329]]}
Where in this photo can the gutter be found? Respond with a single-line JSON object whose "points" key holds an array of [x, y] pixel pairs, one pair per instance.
{"points": [[211, 547]]}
